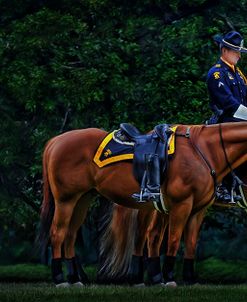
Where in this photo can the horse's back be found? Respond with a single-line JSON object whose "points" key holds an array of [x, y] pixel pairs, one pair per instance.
{"points": [[68, 159], [73, 141]]}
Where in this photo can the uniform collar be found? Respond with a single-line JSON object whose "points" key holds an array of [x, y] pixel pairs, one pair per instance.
{"points": [[228, 64]]}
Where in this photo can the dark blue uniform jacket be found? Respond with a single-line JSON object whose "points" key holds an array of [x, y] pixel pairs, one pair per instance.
{"points": [[227, 90]]}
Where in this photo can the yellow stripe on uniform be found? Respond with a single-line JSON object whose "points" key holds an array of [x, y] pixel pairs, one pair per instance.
{"points": [[242, 75]]}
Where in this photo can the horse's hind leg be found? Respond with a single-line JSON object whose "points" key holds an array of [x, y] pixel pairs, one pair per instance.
{"points": [[155, 236], [76, 274], [60, 224], [136, 272]]}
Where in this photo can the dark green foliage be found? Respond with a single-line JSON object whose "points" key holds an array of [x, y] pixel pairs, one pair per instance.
{"points": [[214, 270], [25, 273], [33, 273], [76, 64], [223, 235]]}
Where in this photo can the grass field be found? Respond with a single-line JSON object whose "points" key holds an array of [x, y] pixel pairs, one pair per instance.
{"points": [[46, 292], [32, 282]]}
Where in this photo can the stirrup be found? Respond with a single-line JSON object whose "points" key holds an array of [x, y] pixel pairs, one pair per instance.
{"points": [[222, 195], [232, 197], [147, 196]]}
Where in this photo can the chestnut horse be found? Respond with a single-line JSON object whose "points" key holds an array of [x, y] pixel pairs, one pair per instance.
{"points": [[71, 178]]}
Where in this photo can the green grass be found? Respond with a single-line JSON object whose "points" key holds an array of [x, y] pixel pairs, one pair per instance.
{"points": [[211, 270], [214, 270], [24, 273], [46, 292], [32, 282], [33, 273]]}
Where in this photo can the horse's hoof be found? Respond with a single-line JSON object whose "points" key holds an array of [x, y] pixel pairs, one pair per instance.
{"points": [[139, 285], [171, 284], [77, 284], [62, 285]]}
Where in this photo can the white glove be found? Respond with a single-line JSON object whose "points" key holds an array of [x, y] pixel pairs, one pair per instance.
{"points": [[241, 112]]}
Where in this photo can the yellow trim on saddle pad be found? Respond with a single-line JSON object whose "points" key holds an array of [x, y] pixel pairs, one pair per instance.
{"points": [[115, 158], [102, 163], [171, 141]]}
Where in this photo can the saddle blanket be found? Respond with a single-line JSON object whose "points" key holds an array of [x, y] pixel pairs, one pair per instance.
{"points": [[112, 149]]}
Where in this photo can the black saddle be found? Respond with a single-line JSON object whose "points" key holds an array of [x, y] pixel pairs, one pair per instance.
{"points": [[152, 143]]}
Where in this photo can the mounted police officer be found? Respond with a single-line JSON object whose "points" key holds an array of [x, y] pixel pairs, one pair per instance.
{"points": [[227, 86]]}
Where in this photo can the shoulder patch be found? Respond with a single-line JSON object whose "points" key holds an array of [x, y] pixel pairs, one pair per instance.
{"points": [[216, 75]]}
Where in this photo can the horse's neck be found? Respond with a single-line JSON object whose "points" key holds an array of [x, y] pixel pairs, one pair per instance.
{"points": [[235, 142], [234, 137]]}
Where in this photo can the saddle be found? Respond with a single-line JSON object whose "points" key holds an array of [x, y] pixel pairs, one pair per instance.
{"points": [[152, 143]]}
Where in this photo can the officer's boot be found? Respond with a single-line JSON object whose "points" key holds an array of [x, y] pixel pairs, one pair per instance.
{"points": [[151, 190], [235, 193], [222, 194]]}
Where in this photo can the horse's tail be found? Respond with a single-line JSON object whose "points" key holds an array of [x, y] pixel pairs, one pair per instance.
{"points": [[47, 207], [117, 243]]}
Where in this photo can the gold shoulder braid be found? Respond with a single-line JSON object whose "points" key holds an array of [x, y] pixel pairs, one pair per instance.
{"points": [[242, 75]]}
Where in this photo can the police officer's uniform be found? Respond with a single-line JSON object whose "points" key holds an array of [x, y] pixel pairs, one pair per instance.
{"points": [[227, 85], [228, 89]]}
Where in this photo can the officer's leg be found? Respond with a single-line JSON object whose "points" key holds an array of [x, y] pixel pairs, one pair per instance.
{"points": [[228, 191], [223, 193], [151, 185], [153, 174]]}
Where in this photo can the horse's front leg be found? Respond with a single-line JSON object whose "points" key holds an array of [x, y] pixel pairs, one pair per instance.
{"points": [[58, 231], [191, 234], [178, 217], [136, 273], [76, 275]]}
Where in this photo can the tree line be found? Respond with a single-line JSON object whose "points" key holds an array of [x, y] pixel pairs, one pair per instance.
{"points": [[96, 63]]}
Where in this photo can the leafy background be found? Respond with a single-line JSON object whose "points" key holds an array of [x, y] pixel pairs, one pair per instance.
{"points": [[97, 63]]}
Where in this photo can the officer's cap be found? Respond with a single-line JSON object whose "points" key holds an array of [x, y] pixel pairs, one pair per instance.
{"points": [[232, 40]]}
